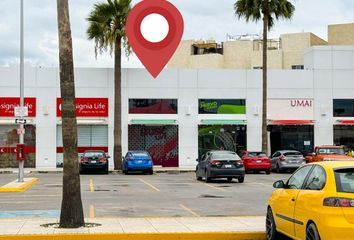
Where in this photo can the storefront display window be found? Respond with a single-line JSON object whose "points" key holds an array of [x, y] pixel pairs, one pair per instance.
{"points": [[222, 106], [343, 107], [153, 106], [8, 140], [344, 135], [222, 137]]}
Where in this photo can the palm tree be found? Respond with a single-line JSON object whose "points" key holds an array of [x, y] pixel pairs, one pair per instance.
{"points": [[71, 215], [107, 29], [268, 11]]}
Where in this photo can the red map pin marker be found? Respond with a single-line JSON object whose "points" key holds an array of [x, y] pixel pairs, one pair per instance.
{"points": [[154, 55]]}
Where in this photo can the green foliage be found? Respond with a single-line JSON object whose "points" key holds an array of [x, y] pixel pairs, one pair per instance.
{"points": [[254, 10], [107, 25]]}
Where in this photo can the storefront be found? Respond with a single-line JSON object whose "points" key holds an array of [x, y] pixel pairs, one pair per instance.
{"points": [[222, 125], [343, 129], [153, 127], [92, 126], [291, 126], [9, 136]]}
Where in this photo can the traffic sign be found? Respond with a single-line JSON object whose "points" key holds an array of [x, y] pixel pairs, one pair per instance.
{"points": [[21, 111], [20, 121]]}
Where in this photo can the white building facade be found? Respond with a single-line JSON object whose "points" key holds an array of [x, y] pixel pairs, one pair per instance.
{"points": [[186, 112]]}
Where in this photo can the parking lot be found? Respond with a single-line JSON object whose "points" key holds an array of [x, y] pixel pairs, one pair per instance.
{"points": [[158, 195]]}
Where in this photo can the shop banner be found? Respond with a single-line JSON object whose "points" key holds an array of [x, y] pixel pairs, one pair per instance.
{"points": [[222, 106], [88, 107], [12, 150], [290, 109], [8, 104]]}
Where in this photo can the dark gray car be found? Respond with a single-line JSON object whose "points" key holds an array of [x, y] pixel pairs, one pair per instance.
{"points": [[287, 160], [220, 164]]}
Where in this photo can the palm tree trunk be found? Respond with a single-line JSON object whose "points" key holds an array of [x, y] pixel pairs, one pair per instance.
{"points": [[117, 106], [71, 215], [265, 84]]}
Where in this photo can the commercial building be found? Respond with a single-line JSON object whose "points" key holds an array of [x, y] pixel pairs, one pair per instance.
{"points": [[245, 51], [185, 112]]}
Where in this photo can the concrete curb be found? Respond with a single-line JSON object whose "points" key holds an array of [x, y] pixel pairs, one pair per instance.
{"points": [[20, 188], [144, 236]]}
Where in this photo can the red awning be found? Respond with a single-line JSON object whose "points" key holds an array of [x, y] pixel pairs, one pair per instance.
{"points": [[291, 122], [348, 122]]}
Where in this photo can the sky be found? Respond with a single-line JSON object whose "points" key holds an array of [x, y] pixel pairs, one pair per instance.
{"points": [[204, 19]]}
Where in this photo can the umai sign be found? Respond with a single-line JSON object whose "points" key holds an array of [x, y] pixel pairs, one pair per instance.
{"points": [[294, 109], [88, 107]]}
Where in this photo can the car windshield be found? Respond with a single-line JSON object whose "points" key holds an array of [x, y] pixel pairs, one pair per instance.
{"points": [[257, 154], [345, 180], [293, 154], [140, 154], [330, 151], [225, 156], [93, 154]]}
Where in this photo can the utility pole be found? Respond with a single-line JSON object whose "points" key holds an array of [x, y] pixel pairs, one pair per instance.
{"points": [[21, 163]]}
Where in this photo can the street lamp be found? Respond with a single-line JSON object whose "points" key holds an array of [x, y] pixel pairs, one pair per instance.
{"points": [[21, 137]]}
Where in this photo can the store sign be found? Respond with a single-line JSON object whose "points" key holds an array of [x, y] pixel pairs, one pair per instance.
{"points": [[88, 107], [222, 106], [294, 109], [8, 105]]}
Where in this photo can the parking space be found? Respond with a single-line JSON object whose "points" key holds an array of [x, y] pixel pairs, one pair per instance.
{"points": [[159, 195]]}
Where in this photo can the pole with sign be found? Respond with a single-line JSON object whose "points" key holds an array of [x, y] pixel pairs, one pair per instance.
{"points": [[21, 136]]}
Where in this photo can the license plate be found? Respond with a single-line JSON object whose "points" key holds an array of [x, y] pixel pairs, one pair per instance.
{"points": [[228, 166], [140, 161], [93, 161], [259, 161]]}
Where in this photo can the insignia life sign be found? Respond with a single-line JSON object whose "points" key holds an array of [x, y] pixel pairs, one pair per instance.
{"points": [[290, 109], [8, 105], [88, 107]]}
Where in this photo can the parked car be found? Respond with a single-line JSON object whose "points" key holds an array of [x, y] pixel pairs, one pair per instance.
{"points": [[220, 164], [316, 202], [328, 153], [256, 161], [287, 160], [94, 160], [137, 161]]}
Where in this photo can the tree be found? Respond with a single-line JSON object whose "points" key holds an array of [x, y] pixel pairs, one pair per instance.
{"points": [[107, 29], [268, 11], [71, 215]]}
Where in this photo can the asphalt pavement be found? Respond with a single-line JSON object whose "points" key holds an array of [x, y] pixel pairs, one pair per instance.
{"points": [[159, 195]]}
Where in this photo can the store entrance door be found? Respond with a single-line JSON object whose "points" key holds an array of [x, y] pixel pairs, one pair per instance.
{"points": [[292, 137], [160, 141]]}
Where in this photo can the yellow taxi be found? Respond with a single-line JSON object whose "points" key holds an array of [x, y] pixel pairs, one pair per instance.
{"points": [[316, 202]]}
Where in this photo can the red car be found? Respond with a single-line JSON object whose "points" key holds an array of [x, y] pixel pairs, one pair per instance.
{"points": [[256, 161]]}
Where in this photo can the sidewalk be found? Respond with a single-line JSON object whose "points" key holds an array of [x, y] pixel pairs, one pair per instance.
{"points": [[206, 228]]}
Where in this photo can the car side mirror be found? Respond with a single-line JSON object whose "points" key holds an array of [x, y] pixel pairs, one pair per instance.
{"points": [[279, 184], [108, 156]]}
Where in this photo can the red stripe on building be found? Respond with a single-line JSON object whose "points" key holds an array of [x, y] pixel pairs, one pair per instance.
{"points": [[291, 122], [83, 149]]}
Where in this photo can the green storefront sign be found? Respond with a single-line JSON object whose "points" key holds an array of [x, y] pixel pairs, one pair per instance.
{"points": [[222, 106]]}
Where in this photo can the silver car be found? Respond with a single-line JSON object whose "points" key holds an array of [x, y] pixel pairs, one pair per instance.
{"points": [[286, 160]]}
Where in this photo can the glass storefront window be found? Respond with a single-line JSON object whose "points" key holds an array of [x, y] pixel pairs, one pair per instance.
{"points": [[8, 141], [292, 137], [343, 107], [222, 106], [344, 135], [222, 137], [153, 106]]}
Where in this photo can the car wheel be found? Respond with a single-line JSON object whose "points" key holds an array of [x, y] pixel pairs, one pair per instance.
{"points": [[271, 229], [207, 178], [241, 179], [229, 179], [278, 169], [268, 171], [151, 172], [312, 232], [197, 177]]}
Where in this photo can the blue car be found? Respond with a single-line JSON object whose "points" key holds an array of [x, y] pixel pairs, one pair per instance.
{"points": [[137, 161]]}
